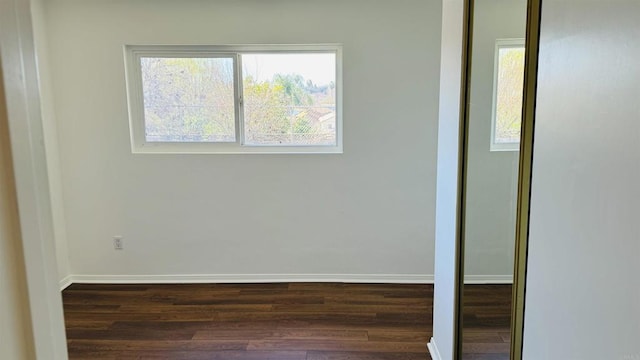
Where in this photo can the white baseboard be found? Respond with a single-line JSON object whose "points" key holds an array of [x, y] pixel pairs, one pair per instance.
{"points": [[64, 283], [251, 278], [433, 350], [273, 278], [488, 279]]}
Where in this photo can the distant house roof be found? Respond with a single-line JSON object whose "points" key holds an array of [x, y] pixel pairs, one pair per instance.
{"points": [[318, 115]]}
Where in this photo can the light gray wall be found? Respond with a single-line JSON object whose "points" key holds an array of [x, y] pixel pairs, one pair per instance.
{"points": [[583, 289], [368, 211], [492, 177]]}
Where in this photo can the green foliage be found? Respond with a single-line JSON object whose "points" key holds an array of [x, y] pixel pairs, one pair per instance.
{"points": [[265, 109], [509, 97], [293, 86]]}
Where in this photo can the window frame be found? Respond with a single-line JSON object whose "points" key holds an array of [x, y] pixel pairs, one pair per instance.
{"points": [[135, 97], [501, 44]]}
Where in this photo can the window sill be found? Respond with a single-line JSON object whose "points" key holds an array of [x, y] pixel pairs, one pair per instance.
{"points": [[230, 149]]}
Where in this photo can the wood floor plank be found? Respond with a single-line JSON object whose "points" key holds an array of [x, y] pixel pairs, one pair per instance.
{"points": [[288, 334], [342, 355], [388, 334], [155, 345], [471, 337], [342, 317], [87, 324], [364, 346], [172, 308], [350, 308], [149, 334], [196, 355], [485, 348], [377, 300]]}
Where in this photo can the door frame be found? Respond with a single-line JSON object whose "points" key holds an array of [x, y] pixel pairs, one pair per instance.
{"points": [[22, 95], [532, 44]]}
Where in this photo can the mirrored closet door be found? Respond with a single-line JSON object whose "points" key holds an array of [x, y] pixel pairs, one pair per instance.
{"points": [[494, 118]]}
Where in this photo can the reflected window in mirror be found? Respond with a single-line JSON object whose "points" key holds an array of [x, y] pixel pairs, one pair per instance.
{"points": [[507, 95]]}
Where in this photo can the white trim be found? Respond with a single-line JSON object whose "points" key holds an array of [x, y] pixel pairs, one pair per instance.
{"points": [[251, 278], [66, 282], [488, 279], [135, 98], [18, 59], [433, 350], [274, 278], [501, 44]]}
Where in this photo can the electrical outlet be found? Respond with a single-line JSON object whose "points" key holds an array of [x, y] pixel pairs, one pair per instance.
{"points": [[118, 243]]}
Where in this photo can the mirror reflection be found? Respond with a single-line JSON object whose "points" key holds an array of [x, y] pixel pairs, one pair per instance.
{"points": [[494, 121]]}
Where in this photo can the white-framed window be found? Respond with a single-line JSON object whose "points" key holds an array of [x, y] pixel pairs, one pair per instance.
{"points": [[235, 98], [508, 88]]}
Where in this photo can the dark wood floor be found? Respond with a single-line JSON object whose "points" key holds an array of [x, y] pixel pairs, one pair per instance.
{"points": [[294, 321], [486, 319]]}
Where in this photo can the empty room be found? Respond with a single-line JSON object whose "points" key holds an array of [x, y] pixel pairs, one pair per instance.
{"points": [[319, 180], [279, 197]]}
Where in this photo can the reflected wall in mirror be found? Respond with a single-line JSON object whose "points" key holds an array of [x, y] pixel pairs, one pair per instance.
{"points": [[493, 134]]}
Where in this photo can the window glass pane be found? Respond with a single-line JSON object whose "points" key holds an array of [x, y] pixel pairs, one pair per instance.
{"points": [[188, 99], [509, 95], [289, 99]]}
